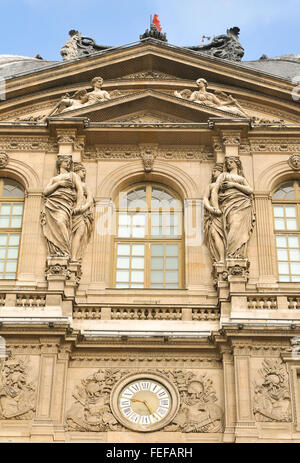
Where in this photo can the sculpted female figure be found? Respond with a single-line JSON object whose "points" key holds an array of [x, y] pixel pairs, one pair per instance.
{"points": [[82, 221], [63, 196], [233, 195], [213, 224]]}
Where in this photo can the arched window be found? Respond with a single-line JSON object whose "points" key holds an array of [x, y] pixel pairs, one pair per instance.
{"points": [[11, 214], [286, 204], [148, 245]]}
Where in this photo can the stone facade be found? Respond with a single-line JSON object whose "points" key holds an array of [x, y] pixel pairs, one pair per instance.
{"points": [[220, 347]]}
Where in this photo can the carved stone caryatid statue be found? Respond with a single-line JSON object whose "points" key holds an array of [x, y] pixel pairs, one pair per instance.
{"points": [[83, 98], [213, 221], [225, 46], [63, 196], [82, 220], [232, 194], [222, 101]]}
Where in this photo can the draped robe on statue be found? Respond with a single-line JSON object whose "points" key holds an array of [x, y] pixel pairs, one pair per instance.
{"points": [[57, 214], [238, 215]]}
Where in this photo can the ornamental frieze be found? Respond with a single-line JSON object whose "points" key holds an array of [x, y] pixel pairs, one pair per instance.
{"points": [[28, 144], [202, 152], [276, 145]]}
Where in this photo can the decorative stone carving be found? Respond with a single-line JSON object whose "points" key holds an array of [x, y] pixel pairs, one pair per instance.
{"points": [[294, 161], [63, 197], [198, 412], [150, 75], [272, 400], [3, 159], [82, 98], [78, 46], [58, 269], [91, 411], [220, 100], [232, 195], [148, 155], [83, 218], [213, 223], [17, 393], [226, 46]]}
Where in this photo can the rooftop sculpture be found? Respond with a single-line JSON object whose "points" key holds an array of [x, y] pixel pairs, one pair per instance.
{"points": [[226, 46], [78, 46]]}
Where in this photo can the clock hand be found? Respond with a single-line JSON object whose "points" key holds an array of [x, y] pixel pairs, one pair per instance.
{"points": [[145, 403]]}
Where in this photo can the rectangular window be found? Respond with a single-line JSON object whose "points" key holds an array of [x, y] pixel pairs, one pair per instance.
{"points": [[10, 224], [288, 258], [164, 266], [130, 265]]}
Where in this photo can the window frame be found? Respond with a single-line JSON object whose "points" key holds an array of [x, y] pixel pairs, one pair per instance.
{"points": [[148, 239], [12, 230], [283, 203]]}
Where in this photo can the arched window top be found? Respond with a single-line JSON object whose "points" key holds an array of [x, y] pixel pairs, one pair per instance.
{"points": [[149, 196], [288, 190], [10, 188]]}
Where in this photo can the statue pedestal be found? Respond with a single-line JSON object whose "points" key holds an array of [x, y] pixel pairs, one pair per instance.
{"points": [[57, 273], [221, 276], [74, 269], [238, 274]]}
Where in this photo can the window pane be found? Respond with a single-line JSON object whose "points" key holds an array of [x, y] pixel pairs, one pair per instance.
{"points": [[157, 263], [16, 222], [290, 211], [137, 285], [124, 249], [157, 250], [4, 221], [157, 285], [279, 224], [3, 239], [172, 249], [124, 219], [10, 276], [157, 276], [1, 265], [291, 224], [283, 279], [12, 253], [17, 209], [137, 276], [285, 191], [295, 268], [294, 255], [171, 286], [5, 209], [2, 253], [278, 211], [14, 239], [293, 241], [122, 285], [282, 254], [124, 232], [283, 268], [11, 266], [296, 279], [138, 232], [171, 262], [123, 262], [139, 220], [281, 241], [138, 249], [171, 276], [123, 275], [12, 188], [137, 262]]}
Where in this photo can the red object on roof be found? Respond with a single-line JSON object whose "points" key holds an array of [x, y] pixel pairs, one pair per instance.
{"points": [[156, 22]]}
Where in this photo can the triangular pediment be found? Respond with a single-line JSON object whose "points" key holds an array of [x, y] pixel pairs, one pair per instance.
{"points": [[148, 67], [126, 107]]}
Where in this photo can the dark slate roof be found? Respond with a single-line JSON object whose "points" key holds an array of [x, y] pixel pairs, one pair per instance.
{"points": [[286, 66], [12, 65]]}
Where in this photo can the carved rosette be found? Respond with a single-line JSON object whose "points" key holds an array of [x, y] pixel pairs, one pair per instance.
{"points": [[4, 159], [294, 161], [272, 399], [58, 269]]}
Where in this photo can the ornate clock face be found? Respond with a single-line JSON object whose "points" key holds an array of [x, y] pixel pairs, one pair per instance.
{"points": [[145, 403]]}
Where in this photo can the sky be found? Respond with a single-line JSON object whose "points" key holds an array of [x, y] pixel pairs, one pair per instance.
{"points": [[29, 27]]}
